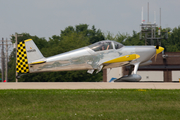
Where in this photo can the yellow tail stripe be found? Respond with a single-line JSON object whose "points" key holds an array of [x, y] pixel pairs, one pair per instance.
{"points": [[27, 40], [37, 62], [124, 58]]}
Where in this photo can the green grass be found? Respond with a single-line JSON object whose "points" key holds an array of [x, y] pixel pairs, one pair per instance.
{"points": [[90, 104]]}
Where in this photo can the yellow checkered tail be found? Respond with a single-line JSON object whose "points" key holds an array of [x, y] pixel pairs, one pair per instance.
{"points": [[22, 61]]}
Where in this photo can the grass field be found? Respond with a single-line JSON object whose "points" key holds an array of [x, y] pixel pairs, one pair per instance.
{"points": [[90, 104]]}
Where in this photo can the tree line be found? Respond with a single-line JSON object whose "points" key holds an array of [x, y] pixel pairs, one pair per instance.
{"points": [[79, 36]]}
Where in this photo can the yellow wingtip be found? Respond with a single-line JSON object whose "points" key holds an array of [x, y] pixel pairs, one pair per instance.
{"points": [[137, 56]]}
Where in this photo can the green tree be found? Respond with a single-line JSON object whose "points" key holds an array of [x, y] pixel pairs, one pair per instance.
{"points": [[109, 36], [12, 67], [125, 38], [172, 44]]}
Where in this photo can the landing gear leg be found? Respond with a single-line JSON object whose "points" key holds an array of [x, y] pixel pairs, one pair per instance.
{"points": [[136, 65], [130, 77]]}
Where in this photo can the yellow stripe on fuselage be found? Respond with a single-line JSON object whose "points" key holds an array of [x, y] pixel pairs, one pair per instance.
{"points": [[124, 58]]}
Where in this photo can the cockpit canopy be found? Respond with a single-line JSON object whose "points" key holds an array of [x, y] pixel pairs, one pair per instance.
{"points": [[105, 45]]}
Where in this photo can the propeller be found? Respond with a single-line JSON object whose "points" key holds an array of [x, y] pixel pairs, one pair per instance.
{"points": [[159, 49]]}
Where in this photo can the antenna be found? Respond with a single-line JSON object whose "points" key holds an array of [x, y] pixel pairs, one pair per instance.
{"points": [[154, 16], [160, 17], [159, 31], [142, 15], [148, 12]]}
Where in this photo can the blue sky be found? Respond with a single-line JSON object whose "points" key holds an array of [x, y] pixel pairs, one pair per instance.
{"points": [[45, 18]]}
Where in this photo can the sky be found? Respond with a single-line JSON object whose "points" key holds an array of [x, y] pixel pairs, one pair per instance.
{"points": [[45, 18]]}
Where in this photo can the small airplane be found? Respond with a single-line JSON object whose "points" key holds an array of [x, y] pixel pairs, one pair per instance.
{"points": [[100, 55]]}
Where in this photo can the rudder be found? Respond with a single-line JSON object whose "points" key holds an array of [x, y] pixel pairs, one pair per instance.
{"points": [[22, 62]]}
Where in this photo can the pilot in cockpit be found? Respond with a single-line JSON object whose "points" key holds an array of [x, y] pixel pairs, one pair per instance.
{"points": [[105, 47]]}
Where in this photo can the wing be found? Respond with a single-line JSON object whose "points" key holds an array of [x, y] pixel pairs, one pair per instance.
{"points": [[124, 58], [120, 61]]}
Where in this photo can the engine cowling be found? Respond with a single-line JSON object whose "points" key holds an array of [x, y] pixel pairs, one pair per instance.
{"points": [[129, 78]]}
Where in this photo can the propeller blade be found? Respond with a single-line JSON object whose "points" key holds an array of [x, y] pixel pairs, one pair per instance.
{"points": [[155, 57]]}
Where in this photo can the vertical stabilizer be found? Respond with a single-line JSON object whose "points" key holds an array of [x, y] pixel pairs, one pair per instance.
{"points": [[33, 53], [27, 52]]}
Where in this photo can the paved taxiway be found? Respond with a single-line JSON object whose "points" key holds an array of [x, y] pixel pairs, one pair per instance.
{"points": [[89, 85]]}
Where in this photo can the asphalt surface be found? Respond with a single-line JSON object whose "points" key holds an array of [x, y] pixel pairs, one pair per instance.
{"points": [[90, 85]]}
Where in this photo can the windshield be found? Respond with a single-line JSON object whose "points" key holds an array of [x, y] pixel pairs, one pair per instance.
{"points": [[117, 45], [102, 45]]}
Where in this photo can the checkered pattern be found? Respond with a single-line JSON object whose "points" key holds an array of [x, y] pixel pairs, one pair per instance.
{"points": [[22, 62]]}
